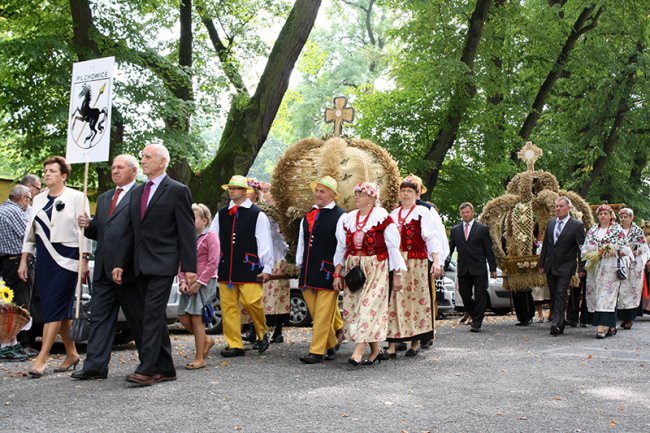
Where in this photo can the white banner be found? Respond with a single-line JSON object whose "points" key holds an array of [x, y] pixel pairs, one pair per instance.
{"points": [[89, 126]]}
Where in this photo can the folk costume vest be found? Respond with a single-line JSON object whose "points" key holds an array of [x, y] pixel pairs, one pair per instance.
{"points": [[411, 240], [320, 245], [239, 261], [373, 241]]}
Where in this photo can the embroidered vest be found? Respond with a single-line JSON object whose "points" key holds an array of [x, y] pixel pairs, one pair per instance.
{"points": [[239, 262], [320, 245], [411, 240], [373, 241]]}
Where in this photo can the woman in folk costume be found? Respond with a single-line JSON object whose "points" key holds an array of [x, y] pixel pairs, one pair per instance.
{"points": [[604, 244], [410, 308], [631, 288], [367, 237]]}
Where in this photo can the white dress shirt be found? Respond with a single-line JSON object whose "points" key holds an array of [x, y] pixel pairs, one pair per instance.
{"points": [[427, 228], [156, 182]]}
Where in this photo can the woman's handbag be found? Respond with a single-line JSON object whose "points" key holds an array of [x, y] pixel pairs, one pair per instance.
{"points": [[355, 279], [621, 270], [80, 328], [207, 313]]}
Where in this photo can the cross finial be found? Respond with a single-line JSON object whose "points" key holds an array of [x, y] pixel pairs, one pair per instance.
{"points": [[339, 114], [530, 153]]}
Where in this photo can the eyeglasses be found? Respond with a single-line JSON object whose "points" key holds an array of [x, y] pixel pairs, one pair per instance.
{"points": [[29, 198]]}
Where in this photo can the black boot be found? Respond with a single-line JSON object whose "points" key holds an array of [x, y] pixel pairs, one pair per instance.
{"points": [[277, 334]]}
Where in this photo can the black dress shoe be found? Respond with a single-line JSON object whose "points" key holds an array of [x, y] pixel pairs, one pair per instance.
{"points": [[354, 362], [556, 331], [88, 375], [385, 355], [330, 355], [263, 344], [411, 353], [474, 329], [425, 344], [367, 361], [277, 338], [312, 358], [232, 352], [572, 323]]}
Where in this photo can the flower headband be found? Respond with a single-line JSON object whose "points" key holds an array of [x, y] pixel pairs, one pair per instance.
{"points": [[604, 207], [626, 211], [367, 188], [254, 183], [413, 180]]}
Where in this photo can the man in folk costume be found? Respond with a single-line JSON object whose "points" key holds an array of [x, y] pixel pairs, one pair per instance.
{"points": [[410, 308], [441, 235], [246, 263], [315, 256]]}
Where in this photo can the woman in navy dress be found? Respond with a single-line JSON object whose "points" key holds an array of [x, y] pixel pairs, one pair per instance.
{"points": [[54, 236]]}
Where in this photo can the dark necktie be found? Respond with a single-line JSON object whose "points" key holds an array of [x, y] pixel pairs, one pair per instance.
{"points": [[145, 198], [116, 195]]}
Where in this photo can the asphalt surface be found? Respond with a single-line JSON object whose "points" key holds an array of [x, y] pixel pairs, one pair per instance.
{"points": [[505, 379]]}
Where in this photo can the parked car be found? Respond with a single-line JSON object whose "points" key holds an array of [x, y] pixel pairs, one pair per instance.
{"points": [[499, 299]]}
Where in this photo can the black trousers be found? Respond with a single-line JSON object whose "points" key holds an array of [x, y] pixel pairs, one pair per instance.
{"points": [[477, 284], [155, 347], [524, 305], [576, 311], [558, 286], [107, 298], [22, 290]]}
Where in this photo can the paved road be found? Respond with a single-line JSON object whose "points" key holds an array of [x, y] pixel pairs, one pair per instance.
{"points": [[505, 379]]}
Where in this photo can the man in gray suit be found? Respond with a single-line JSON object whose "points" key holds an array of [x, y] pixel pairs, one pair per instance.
{"points": [[560, 257], [107, 228]]}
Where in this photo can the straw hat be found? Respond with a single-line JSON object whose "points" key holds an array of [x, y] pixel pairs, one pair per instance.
{"points": [[237, 181], [416, 180], [328, 182]]}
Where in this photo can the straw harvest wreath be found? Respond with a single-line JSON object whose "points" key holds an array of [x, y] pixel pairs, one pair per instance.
{"points": [[530, 197], [348, 160]]}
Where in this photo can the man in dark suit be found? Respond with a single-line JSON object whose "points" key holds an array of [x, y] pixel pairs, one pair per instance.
{"points": [[107, 228], [474, 248], [559, 258], [161, 236]]}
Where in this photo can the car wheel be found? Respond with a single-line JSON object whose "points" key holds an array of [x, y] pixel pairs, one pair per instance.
{"points": [[122, 336], [215, 326], [299, 314]]}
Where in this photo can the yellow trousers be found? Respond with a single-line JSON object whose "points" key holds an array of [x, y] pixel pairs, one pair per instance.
{"points": [[338, 320], [249, 295], [323, 308]]}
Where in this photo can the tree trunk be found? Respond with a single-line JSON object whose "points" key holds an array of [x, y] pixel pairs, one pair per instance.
{"points": [[249, 121], [176, 123], [458, 103], [625, 84], [587, 20]]}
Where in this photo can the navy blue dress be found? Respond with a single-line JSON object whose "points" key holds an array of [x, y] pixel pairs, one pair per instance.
{"points": [[56, 284]]}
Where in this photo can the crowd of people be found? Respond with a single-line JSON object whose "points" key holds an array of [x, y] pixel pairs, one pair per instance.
{"points": [[383, 261]]}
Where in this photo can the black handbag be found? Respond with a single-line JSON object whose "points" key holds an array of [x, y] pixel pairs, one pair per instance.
{"points": [[80, 329], [621, 270], [355, 279]]}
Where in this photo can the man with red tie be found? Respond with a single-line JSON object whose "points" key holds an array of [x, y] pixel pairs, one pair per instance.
{"points": [[107, 228], [161, 238], [472, 239], [315, 256], [246, 263]]}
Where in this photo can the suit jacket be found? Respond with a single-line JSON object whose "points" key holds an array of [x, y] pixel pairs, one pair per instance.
{"points": [[108, 231], [165, 237], [473, 252], [63, 224], [561, 258]]}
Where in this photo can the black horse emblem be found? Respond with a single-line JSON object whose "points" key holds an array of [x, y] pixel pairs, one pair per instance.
{"points": [[94, 117]]}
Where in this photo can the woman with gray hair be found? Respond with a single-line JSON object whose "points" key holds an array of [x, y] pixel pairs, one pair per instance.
{"points": [[630, 292]]}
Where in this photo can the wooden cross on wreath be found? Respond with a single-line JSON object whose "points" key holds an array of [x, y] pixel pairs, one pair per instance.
{"points": [[530, 153], [339, 114]]}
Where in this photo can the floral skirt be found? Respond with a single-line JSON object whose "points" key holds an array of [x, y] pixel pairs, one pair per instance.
{"points": [[409, 309], [365, 313]]}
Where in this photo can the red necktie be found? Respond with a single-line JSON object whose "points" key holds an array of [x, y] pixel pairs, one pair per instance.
{"points": [[311, 218], [116, 195], [233, 210], [466, 231], [145, 198]]}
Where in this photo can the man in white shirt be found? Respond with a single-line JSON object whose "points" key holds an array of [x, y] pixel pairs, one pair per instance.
{"points": [[246, 263]]}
